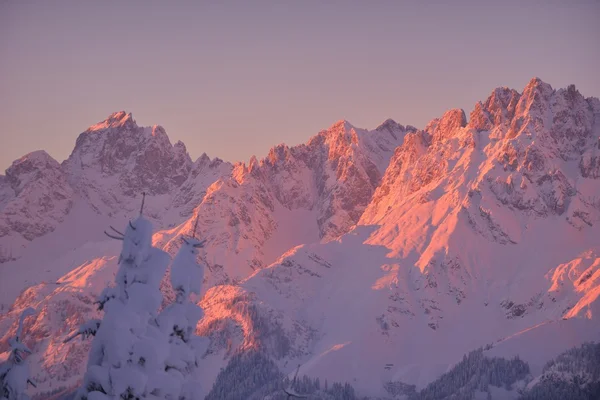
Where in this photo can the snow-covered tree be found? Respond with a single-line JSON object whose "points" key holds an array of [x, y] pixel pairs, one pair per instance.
{"points": [[129, 351], [572, 375], [14, 373], [178, 321]]}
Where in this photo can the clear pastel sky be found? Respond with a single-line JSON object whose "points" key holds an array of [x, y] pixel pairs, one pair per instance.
{"points": [[233, 79]]}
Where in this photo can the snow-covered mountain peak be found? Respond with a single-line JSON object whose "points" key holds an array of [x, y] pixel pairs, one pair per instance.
{"points": [[203, 159], [535, 99], [278, 154], [30, 167], [118, 133], [341, 130], [498, 109], [117, 158], [340, 126], [119, 119], [34, 156], [253, 163], [35, 197], [390, 125], [448, 125], [534, 85], [160, 132]]}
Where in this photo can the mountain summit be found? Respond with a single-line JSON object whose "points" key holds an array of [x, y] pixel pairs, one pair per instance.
{"points": [[120, 119]]}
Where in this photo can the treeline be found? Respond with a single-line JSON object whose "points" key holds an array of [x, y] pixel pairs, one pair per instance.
{"points": [[254, 376], [474, 374], [573, 375]]}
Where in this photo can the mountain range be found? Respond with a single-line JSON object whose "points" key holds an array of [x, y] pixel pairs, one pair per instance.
{"points": [[366, 256]]}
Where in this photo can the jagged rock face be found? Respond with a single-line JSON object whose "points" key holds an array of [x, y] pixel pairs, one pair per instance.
{"points": [[550, 129], [497, 111], [203, 173], [330, 179], [589, 165], [522, 158], [116, 160], [526, 141], [561, 119], [355, 174], [335, 173], [32, 169], [36, 198], [136, 159], [6, 192], [242, 227], [447, 126], [423, 158]]}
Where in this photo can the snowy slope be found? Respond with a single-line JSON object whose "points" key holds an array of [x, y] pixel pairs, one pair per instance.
{"points": [[367, 256]]}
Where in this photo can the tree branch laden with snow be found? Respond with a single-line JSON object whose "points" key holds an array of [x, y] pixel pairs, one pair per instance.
{"points": [[14, 373]]}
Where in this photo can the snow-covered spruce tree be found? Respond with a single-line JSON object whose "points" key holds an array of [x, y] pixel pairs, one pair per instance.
{"points": [[178, 320], [14, 373], [128, 352]]}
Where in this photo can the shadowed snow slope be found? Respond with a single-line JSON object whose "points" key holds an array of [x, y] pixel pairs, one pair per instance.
{"points": [[367, 256]]}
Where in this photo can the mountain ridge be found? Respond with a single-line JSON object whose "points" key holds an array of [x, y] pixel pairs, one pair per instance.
{"points": [[420, 230]]}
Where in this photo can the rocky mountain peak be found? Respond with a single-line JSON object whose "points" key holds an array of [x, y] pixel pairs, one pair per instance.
{"points": [[253, 164], [497, 110], [140, 159], [204, 159], [448, 125], [391, 126], [535, 98], [339, 127], [119, 119], [536, 83], [30, 167], [340, 134], [180, 147], [40, 200], [278, 154], [159, 133]]}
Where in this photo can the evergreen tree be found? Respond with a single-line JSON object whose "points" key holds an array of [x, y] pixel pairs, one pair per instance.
{"points": [[129, 351], [14, 373], [178, 321], [573, 375]]}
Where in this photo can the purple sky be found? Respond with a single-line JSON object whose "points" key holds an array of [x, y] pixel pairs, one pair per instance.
{"points": [[233, 79]]}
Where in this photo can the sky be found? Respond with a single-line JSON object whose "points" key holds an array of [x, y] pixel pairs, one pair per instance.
{"points": [[233, 79]]}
